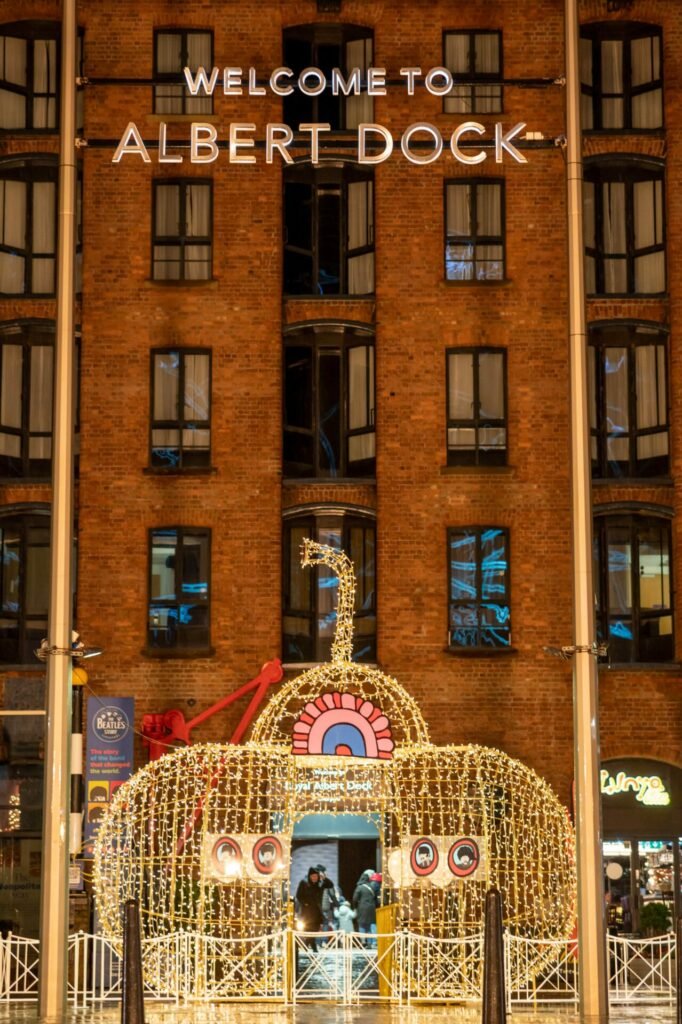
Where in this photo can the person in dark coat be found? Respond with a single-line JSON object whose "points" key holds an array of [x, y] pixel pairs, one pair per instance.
{"points": [[309, 904], [329, 899], [365, 903]]}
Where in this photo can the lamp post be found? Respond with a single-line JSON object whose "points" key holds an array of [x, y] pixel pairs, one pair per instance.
{"points": [[591, 931], [54, 895]]}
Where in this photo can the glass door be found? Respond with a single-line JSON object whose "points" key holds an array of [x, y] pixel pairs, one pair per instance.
{"points": [[656, 886], [618, 886]]}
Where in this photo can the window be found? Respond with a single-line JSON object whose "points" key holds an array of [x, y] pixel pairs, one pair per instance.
{"points": [[329, 402], [478, 569], [29, 76], [181, 409], [182, 230], [326, 47], [28, 226], [26, 382], [179, 564], [310, 594], [329, 230], [24, 585], [620, 73], [628, 401], [474, 228], [477, 407], [475, 59], [633, 589], [624, 227], [174, 50]]}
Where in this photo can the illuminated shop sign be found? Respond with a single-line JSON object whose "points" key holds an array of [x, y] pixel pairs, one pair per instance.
{"points": [[420, 143], [648, 789]]}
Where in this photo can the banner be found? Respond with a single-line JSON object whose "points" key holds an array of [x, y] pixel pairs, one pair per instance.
{"points": [[438, 860], [259, 858], [108, 758]]}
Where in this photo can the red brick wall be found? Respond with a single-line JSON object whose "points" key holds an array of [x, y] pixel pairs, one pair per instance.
{"points": [[520, 702]]}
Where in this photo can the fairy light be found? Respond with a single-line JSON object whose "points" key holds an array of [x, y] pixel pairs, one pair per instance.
{"points": [[14, 813], [155, 839]]}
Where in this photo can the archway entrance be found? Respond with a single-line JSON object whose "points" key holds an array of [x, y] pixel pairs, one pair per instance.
{"points": [[203, 839]]}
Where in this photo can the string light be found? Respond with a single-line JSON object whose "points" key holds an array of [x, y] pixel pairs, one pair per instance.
{"points": [[155, 841]]}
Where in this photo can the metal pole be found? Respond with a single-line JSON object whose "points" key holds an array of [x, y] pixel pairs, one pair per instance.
{"points": [[591, 930], [55, 883]]}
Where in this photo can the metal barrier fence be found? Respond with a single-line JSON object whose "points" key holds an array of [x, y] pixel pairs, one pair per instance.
{"points": [[342, 967]]}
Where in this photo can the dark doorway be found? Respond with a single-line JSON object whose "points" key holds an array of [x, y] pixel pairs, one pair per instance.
{"points": [[347, 844]]}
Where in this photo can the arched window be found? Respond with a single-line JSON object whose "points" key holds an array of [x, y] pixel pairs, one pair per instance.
{"points": [[621, 76], [329, 46], [26, 387], [328, 230], [24, 584], [28, 226], [329, 401], [633, 587], [29, 76], [629, 417], [309, 598], [624, 226]]}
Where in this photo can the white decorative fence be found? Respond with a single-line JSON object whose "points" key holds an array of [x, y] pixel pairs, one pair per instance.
{"points": [[346, 968]]}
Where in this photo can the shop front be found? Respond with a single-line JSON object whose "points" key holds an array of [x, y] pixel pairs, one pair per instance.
{"points": [[642, 833]]}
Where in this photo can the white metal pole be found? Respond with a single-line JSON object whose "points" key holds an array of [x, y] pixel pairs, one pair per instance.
{"points": [[55, 881], [591, 931]]}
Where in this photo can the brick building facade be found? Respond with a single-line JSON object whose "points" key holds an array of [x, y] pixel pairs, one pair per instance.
{"points": [[458, 345]]}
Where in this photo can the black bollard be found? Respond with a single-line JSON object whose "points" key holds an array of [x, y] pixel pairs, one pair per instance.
{"points": [[494, 995], [678, 962], [132, 1000]]}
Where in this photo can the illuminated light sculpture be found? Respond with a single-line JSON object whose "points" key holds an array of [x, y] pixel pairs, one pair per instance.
{"points": [[340, 738]]}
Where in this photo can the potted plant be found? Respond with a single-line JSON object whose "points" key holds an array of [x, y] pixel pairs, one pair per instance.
{"points": [[653, 966], [654, 919]]}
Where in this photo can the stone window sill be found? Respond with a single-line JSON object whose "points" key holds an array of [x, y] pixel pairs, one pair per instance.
{"points": [[640, 666], [208, 282], [181, 471], [479, 652], [181, 653], [482, 470]]}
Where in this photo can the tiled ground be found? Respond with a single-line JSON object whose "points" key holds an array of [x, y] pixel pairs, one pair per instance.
{"points": [[327, 1013]]}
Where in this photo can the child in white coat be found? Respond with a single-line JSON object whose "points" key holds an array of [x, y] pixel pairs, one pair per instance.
{"points": [[345, 916]]}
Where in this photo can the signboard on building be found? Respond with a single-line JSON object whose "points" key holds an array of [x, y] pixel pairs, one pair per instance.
{"points": [[109, 758]]}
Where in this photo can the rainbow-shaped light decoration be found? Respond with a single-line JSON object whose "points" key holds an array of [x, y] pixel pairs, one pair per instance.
{"points": [[340, 724], [343, 725]]}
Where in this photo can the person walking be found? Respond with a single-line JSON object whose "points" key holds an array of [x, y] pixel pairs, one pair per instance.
{"points": [[365, 904], [345, 915], [329, 901], [309, 905]]}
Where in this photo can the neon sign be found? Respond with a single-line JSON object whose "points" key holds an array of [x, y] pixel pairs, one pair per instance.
{"points": [[649, 789]]}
